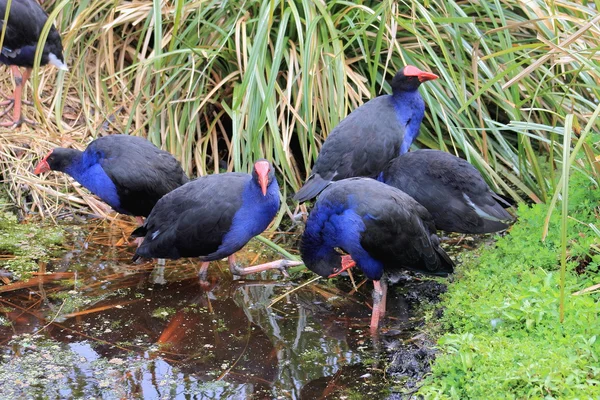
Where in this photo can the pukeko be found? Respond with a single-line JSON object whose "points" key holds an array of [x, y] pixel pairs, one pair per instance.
{"points": [[367, 139], [380, 228], [212, 217], [26, 19], [451, 189], [127, 172]]}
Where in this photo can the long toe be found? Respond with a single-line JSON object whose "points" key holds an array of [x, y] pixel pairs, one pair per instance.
{"points": [[6, 110], [18, 122], [7, 103], [281, 265]]}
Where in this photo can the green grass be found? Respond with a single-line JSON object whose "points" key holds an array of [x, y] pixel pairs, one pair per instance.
{"points": [[504, 338]]}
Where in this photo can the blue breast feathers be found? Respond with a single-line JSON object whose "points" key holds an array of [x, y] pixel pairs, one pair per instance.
{"points": [[338, 225], [89, 173], [410, 109], [253, 217], [23, 56]]}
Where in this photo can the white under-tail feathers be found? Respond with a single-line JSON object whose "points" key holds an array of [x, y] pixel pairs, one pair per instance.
{"points": [[52, 59], [479, 211]]}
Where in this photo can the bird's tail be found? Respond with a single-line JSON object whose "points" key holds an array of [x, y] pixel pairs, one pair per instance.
{"points": [[446, 263], [139, 232], [490, 226], [313, 186], [505, 201]]}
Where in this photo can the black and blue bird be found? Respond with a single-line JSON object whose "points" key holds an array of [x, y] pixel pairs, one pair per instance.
{"points": [[369, 137], [213, 217], [127, 172], [26, 19], [378, 228], [451, 189]]}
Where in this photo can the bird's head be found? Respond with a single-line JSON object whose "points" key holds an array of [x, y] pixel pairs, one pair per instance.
{"points": [[409, 78], [58, 159], [264, 174]]}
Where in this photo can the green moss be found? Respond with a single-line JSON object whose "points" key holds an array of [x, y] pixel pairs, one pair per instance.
{"points": [[503, 336], [23, 245], [163, 312]]}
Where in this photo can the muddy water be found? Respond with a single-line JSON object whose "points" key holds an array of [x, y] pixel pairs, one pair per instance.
{"points": [[100, 327]]}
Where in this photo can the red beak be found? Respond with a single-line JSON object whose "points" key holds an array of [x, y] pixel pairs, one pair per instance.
{"points": [[423, 76], [262, 170], [347, 263], [43, 165]]}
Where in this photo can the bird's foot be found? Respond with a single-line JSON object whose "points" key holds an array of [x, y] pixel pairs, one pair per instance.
{"points": [[138, 241], [18, 122], [10, 101], [203, 277], [7, 109], [346, 263], [281, 265], [205, 285]]}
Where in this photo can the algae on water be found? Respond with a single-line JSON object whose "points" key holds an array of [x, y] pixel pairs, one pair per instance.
{"points": [[24, 245]]}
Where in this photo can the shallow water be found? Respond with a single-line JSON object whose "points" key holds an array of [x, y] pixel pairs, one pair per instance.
{"points": [[101, 327]]}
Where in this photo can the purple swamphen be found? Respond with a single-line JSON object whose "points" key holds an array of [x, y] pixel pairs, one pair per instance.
{"points": [[370, 136], [380, 229], [26, 19], [451, 189], [213, 217], [128, 173]]}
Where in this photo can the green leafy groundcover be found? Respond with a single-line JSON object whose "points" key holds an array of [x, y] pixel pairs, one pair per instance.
{"points": [[504, 338]]}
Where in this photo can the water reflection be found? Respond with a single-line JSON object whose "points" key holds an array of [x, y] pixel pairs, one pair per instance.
{"points": [[132, 331]]}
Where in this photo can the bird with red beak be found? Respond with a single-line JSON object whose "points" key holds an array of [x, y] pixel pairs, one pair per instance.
{"points": [[364, 142], [213, 217]]}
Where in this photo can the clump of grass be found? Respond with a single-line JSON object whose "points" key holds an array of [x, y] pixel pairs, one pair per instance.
{"points": [[234, 81], [502, 313]]}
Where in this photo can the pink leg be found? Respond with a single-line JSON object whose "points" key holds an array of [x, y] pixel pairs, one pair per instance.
{"points": [[203, 270], [20, 81], [382, 307], [138, 241], [10, 101], [202, 275], [379, 294], [281, 265]]}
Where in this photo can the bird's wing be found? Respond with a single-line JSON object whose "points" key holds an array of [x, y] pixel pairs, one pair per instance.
{"points": [[141, 172], [400, 232], [192, 220], [451, 189], [363, 143], [25, 23]]}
